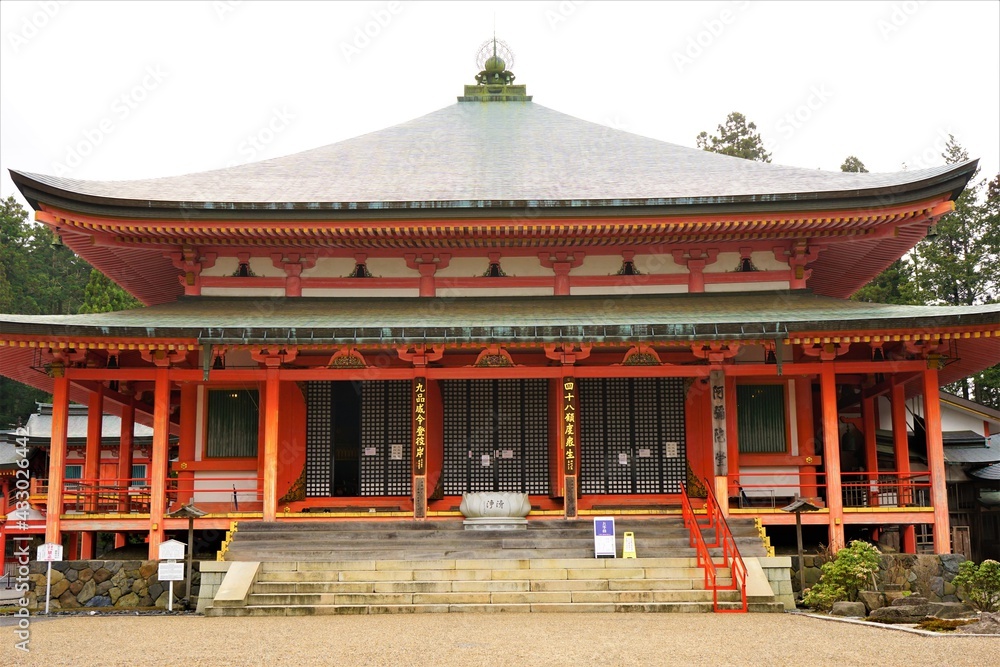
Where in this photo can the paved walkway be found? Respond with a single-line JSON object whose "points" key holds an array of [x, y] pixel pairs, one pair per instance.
{"points": [[480, 640]]}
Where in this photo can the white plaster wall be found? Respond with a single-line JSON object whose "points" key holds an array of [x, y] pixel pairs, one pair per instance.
{"points": [[389, 267], [360, 292], [466, 267], [783, 480], [747, 286], [493, 291], [726, 262], [221, 490], [224, 266], [629, 289], [656, 263], [598, 265], [243, 291], [952, 418], [331, 267]]}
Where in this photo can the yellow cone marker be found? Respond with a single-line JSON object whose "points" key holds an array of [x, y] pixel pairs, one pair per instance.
{"points": [[628, 548]]}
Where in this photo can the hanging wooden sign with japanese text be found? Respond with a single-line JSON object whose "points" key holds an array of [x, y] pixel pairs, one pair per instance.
{"points": [[717, 384], [569, 425], [419, 426]]}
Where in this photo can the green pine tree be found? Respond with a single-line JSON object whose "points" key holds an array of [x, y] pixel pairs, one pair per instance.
{"points": [[736, 137]]}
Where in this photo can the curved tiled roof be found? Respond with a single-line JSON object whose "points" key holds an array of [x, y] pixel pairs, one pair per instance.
{"points": [[486, 155]]}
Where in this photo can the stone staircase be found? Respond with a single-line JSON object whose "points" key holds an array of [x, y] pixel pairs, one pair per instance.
{"points": [[371, 567]]}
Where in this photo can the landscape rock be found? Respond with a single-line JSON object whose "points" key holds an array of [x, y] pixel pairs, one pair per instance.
{"points": [[86, 574], [872, 599], [58, 588], [949, 610], [102, 574], [852, 609], [901, 613], [988, 624], [88, 591], [130, 600]]}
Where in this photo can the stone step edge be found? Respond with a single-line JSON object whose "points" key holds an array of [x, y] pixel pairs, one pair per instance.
{"points": [[573, 607]]}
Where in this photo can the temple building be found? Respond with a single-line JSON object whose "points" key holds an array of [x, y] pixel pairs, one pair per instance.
{"points": [[498, 296]]}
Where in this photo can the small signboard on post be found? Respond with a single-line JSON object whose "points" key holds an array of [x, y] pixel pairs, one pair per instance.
{"points": [[48, 552], [171, 551], [604, 537], [170, 572]]}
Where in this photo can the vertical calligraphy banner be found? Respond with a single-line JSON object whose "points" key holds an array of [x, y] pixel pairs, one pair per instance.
{"points": [[569, 426], [419, 448], [419, 426], [717, 381]]}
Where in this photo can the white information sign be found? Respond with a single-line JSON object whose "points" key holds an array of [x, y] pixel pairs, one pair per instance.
{"points": [[49, 552], [486, 460], [604, 537], [170, 572], [396, 452], [672, 450], [645, 453], [622, 459], [507, 454], [369, 451], [171, 550]]}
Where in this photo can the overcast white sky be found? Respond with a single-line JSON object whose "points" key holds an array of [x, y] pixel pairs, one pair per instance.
{"points": [[122, 90]]}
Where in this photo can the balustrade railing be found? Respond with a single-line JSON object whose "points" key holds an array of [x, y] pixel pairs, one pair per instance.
{"points": [[774, 489], [133, 495]]}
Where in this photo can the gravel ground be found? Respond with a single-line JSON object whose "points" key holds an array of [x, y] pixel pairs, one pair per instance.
{"points": [[478, 640]]}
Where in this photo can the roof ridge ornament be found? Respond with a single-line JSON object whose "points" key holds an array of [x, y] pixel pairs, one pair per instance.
{"points": [[495, 81]]}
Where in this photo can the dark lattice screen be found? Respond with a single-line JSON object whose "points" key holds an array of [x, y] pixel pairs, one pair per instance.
{"points": [[385, 438], [319, 439], [632, 435], [495, 436]]}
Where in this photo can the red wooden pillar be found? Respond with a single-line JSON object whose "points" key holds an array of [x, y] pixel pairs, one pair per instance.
{"points": [[901, 449], [831, 455], [185, 448], [158, 462], [92, 465], [806, 430], [868, 416], [271, 396], [57, 457], [125, 444], [935, 460]]}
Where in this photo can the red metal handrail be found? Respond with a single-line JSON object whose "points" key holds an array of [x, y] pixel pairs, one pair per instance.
{"points": [[730, 553], [697, 540]]}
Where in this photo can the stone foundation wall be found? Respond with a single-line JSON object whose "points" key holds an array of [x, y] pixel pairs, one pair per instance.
{"points": [[927, 575], [778, 571], [104, 583], [212, 574]]}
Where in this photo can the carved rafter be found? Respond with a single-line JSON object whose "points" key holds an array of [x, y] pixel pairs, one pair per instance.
{"points": [[567, 355], [273, 357], [192, 262], [494, 356], [347, 357], [293, 263], [420, 355], [641, 355], [826, 351], [715, 352]]}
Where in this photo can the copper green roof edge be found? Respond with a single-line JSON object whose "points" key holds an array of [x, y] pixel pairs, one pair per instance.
{"points": [[749, 316]]}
